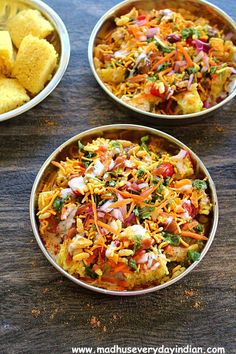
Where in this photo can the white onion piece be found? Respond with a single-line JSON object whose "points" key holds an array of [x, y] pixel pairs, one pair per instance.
{"points": [[66, 192], [199, 57], [77, 184]]}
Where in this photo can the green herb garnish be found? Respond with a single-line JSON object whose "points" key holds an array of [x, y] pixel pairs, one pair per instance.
{"points": [[143, 144], [80, 146], [173, 239], [141, 172], [193, 256], [111, 183], [189, 32], [137, 242], [145, 212], [115, 144], [58, 203], [133, 264], [192, 70], [155, 180], [163, 66], [212, 69], [167, 181], [198, 228], [136, 212], [199, 184], [90, 273]]}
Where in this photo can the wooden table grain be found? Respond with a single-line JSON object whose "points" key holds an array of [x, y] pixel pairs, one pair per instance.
{"points": [[43, 312]]}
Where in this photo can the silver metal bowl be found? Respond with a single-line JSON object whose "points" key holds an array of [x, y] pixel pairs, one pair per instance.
{"points": [[106, 24], [123, 131], [60, 40]]}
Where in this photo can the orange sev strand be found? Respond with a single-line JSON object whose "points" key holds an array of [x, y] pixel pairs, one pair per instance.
{"points": [[122, 268], [94, 208], [185, 53], [130, 209], [107, 227], [120, 203], [137, 78], [193, 235], [190, 225], [162, 60]]}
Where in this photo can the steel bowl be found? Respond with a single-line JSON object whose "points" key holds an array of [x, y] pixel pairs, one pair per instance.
{"points": [[106, 23], [123, 131], [60, 40]]}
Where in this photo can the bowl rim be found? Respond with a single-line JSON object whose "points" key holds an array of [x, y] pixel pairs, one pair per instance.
{"points": [[62, 65], [167, 117], [107, 128]]}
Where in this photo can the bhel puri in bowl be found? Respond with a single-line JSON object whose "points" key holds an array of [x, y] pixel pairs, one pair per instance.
{"points": [[124, 209], [161, 60]]}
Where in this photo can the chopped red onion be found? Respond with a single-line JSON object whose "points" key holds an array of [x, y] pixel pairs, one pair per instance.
{"points": [[190, 81], [152, 31], [206, 63], [229, 35], [105, 206], [178, 64], [206, 104], [170, 73], [131, 219], [141, 22], [173, 38], [181, 155], [143, 185], [200, 45], [171, 91], [117, 214], [233, 71]]}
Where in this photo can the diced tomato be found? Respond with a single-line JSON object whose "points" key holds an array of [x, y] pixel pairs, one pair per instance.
{"points": [[205, 40], [189, 40], [141, 17], [147, 243], [190, 208], [102, 148], [155, 92], [166, 169], [138, 254]]}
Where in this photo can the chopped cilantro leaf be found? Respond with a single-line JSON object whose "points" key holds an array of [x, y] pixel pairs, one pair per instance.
{"points": [[58, 203], [136, 212], [133, 264], [192, 70], [212, 69], [189, 32], [141, 172], [80, 146], [111, 183], [167, 181], [155, 180], [173, 239], [145, 212], [198, 228], [193, 256], [137, 242], [115, 144], [163, 66], [90, 273], [144, 139], [199, 184]]}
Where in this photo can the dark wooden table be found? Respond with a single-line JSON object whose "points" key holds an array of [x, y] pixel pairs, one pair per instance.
{"points": [[43, 312]]}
